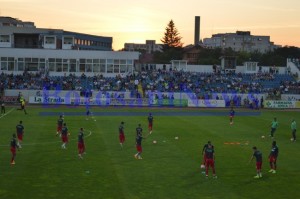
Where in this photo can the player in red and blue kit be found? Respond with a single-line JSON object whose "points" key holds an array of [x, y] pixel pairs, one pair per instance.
{"points": [[138, 142], [20, 133], [13, 147], [203, 151], [258, 156], [121, 134], [273, 157], [150, 122], [231, 116], [60, 122], [64, 136], [209, 156], [81, 145], [139, 129]]}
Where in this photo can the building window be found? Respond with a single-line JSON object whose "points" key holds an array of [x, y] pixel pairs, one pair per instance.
{"points": [[49, 40], [20, 66], [58, 67], [116, 68], [42, 66], [65, 67], [3, 65], [72, 65], [123, 69], [110, 68], [96, 68], [102, 68], [96, 61], [4, 38]]}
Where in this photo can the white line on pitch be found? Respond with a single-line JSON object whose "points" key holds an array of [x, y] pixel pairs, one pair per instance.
{"points": [[7, 113]]}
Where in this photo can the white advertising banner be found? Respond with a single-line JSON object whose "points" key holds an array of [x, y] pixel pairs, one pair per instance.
{"points": [[81, 101], [280, 104], [49, 100], [287, 97], [209, 103]]}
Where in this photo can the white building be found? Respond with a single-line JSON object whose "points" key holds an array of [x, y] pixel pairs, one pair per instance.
{"points": [[23, 47], [150, 46], [64, 62], [240, 41]]}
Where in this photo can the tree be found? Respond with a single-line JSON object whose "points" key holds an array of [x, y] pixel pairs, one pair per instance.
{"points": [[171, 37], [172, 46]]}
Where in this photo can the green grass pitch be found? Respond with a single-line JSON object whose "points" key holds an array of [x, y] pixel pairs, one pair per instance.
{"points": [[169, 169]]}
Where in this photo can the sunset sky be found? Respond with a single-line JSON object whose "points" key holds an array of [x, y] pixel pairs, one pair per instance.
{"points": [[138, 20]]}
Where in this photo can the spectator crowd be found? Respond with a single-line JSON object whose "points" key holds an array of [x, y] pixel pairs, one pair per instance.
{"points": [[202, 84]]}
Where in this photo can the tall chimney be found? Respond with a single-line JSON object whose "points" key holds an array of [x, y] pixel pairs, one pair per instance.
{"points": [[197, 30]]}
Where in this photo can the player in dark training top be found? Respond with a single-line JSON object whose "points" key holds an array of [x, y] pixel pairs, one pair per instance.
{"points": [[20, 133], [138, 142], [13, 147], [139, 129], [60, 122], [150, 122], [121, 134], [81, 145], [2, 107], [231, 116], [258, 156], [273, 157], [64, 136], [209, 156], [203, 151], [87, 113]]}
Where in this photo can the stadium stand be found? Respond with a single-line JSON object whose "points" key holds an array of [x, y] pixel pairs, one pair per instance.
{"points": [[202, 84]]}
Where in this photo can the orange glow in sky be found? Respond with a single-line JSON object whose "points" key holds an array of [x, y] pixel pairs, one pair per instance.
{"points": [[134, 21]]}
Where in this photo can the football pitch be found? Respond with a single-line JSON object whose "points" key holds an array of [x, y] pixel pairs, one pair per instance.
{"points": [[169, 169]]}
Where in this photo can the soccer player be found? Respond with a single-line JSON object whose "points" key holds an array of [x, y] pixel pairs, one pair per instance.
{"points": [[81, 145], [203, 151], [231, 115], [138, 142], [121, 134], [209, 156], [294, 128], [258, 155], [150, 122], [139, 129], [273, 157], [60, 122], [88, 113], [23, 106], [274, 126], [13, 147], [20, 132], [2, 107], [64, 136]]}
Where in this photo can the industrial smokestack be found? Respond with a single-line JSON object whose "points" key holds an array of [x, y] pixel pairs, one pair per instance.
{"points": [[197, 30]]}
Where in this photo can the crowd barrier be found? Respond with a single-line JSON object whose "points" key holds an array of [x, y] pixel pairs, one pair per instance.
{"points": [[281, 104], [209, 103], [10, 99], [82, 101]]}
